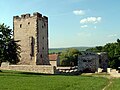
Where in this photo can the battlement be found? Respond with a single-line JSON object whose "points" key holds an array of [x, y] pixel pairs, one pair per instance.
{"points": [[24, 16]]}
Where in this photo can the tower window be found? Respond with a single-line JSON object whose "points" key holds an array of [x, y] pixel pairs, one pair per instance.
{"points": [[41, 56], [28, 23], [20, 25], [43, 37], [43, 48], [44, 24], [32, 46], [84, 61]]}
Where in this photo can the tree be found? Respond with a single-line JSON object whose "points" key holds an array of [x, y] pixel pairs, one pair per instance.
{"points": [[69, 57], [118, 40], [9, 49], [96, 49]]}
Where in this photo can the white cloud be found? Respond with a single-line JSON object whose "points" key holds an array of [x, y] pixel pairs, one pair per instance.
{"points": [[79, 12], [84, 26], [113, 35], [92, 20]]}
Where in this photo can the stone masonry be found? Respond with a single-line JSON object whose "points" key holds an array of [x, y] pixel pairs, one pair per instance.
{"points": [[88, 62], [48, 69], [32, 33], [91, 62]]}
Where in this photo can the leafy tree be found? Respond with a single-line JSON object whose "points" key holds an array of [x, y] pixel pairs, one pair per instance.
{"points": [[69, 57], [96, 49], [118, 40], [9, 49]]}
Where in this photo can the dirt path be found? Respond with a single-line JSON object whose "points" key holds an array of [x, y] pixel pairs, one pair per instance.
{"points": [[110, 82]]}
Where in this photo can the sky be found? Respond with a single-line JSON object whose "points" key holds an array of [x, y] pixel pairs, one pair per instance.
{"points": [[72, 23]]}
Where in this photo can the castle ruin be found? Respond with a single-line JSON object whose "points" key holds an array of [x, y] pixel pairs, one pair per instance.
{"points": [[32, 33], [90, 62]]}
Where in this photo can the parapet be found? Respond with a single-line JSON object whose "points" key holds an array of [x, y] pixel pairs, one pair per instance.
{"points": [[45, 18], [25, 16], [36, 14]]}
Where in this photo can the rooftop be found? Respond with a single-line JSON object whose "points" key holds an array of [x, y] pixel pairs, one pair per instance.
{"points": [[53, 57]]}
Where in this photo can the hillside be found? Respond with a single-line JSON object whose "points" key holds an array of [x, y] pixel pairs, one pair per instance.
{"points": [[56, 50]]}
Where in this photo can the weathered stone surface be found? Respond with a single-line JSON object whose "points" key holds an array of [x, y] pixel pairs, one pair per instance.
{"points": [[33, 68], [30, 68], [5, 65], [32, 32], [103, 60], [88, 62], [93, 62]]}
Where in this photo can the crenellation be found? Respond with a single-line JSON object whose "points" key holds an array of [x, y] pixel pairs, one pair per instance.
{"points": [[23, 16], [45, 18], [16, 17], [37, 14], [27, 15]]}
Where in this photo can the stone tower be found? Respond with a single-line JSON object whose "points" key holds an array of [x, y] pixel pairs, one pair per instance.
{"points": [[32, 33]]}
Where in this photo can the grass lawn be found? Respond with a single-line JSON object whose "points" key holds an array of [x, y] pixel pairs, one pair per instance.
{"points": [[115, 85], [26, 81]]}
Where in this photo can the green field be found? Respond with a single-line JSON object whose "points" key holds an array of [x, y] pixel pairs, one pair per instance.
{"points": [[115, 85], [30, 81]]}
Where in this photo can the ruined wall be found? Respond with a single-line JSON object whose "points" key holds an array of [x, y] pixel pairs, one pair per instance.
{"points": [[88, 62], [53, 63], [93, 61], [103, 60]]}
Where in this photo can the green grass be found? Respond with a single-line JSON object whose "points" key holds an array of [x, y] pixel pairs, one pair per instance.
{"points": [[115, 84], [29, 81]]}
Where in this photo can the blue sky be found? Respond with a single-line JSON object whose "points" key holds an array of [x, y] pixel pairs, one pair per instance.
{"points": [[71, 22]]}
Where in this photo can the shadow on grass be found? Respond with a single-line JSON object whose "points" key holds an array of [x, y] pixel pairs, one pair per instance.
{"points": [[63, 74]]}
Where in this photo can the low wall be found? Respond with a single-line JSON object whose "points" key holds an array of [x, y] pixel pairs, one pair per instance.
{"points": [[48, 69]]}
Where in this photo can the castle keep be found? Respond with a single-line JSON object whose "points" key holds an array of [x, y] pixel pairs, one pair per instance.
{"points": [[32, 33]]}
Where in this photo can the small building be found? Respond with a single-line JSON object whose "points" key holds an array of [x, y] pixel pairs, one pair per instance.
{"points": [[54, 59], [90, 62]]}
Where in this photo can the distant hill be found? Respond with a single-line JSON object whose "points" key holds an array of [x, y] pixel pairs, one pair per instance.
{"points": [[56, 50]]}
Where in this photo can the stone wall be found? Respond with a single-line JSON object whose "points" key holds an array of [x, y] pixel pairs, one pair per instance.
{"points": [[93, 61], [103, 60], [89, 62], [53, 63], [42, 40], [24, 28], [48, 69]]}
